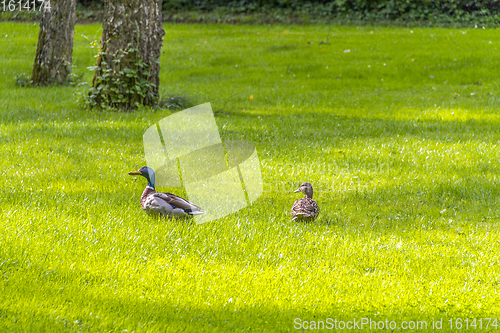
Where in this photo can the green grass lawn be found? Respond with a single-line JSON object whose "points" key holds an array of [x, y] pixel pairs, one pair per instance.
{"points": [[397, 129]]}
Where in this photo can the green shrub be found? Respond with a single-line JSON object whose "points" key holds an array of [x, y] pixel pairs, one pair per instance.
{"points": [[459, 11], [386, 8]]}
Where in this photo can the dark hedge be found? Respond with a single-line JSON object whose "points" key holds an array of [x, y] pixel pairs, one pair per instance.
{"points": [[459, 10]]}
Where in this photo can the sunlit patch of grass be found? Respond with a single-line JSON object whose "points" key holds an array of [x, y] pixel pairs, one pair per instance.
{"points": [[396, 128]]}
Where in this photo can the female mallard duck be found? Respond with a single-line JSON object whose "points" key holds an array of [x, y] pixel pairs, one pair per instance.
{"points": [[163, 204], [305, 209]]}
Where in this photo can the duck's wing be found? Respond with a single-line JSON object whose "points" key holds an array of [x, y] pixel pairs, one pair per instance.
{"points": [[305, 207], [178, 202], [155, 206]]}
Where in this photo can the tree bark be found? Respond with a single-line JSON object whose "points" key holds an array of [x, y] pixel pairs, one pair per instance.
{"points": [[55, 44], [127, 72]]}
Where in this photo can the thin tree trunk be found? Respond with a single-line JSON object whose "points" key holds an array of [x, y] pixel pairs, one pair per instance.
{"points": [[128, 67], [55, 44]]}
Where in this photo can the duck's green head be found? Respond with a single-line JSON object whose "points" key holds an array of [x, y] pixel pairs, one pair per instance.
{"points": [[147, 173]]}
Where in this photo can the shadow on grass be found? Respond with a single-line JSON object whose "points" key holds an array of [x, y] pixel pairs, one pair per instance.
{"points": [[269, 128], [308, 127]]}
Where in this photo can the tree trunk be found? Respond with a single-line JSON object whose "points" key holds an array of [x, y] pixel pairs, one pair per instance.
{"points": [[55, 44], [127, 72]]}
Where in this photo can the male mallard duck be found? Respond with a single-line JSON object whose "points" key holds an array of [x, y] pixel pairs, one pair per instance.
{"points": [[163, 204], [305, 209]]}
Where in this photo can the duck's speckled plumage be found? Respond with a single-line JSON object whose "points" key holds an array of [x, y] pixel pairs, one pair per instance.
{"points": [[145, 194], [163, 204], [305, 209]]}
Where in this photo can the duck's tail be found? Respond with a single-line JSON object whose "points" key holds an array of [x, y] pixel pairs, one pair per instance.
{"points": [[194, 212]]}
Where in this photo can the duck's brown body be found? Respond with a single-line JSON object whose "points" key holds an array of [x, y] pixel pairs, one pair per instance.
{"points": [[145, 194], [167, 204], [305, 209], [163, 204]]}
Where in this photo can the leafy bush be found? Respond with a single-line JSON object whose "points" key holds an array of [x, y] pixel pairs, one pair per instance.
{"points": [[414, 10], [124, 84]]}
